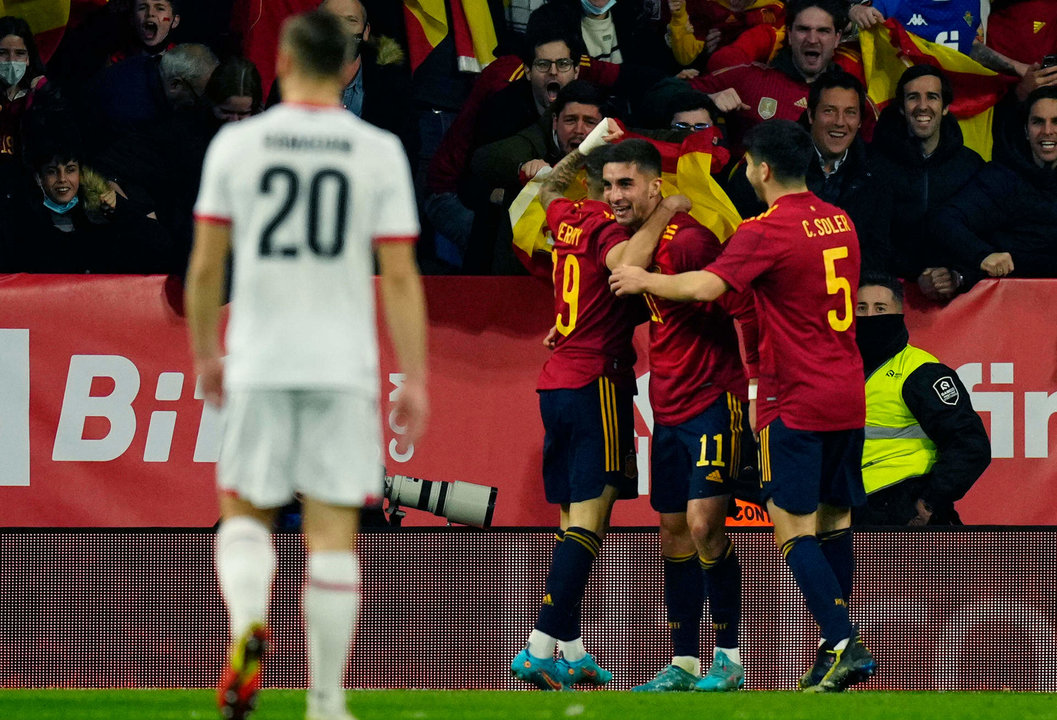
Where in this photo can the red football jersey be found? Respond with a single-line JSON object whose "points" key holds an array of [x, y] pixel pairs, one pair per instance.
{"points": [[707, 14], [768, 93], [1025, 31], [694, 354], [594, 326], [801, 259]]}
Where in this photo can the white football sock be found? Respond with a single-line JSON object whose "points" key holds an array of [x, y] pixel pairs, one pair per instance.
{"points": [[245, 560], [541, 645], [689, 663], [573, 650], [331, 603]]}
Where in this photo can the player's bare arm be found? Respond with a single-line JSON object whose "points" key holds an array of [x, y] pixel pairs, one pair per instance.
{"points": [[404, 304], [694, 286], [202, 300], [639, 248], [562, 175]]}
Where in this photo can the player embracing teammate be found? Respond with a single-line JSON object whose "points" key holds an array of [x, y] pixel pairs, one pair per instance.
{"points": [[800, 259]]}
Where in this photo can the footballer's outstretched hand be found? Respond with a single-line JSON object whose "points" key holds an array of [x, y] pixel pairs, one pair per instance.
{"points": [[628, 280]]}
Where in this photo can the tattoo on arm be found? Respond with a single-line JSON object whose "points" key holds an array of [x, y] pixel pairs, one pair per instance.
{"points": [[990, 59], [556, 183]]}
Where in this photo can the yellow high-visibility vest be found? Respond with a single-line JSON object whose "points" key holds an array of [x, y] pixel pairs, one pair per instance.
{"points": [[896, 447]]}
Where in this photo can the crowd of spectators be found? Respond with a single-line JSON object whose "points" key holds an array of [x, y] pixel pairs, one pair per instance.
{"points": [[101, 146]]}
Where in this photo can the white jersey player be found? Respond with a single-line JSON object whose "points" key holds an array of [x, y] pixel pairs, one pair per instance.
{"points": [[304, 197]]}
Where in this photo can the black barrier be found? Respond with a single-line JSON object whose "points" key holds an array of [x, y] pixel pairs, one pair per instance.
{"points": [[941, 610]]}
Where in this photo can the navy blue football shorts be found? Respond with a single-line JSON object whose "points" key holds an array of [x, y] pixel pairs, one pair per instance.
{"points": [[801, 468], [698, 458], [588, 442]]}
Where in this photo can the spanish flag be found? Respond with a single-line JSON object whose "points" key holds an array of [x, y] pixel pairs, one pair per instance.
{"points": [[686, 169], [471, 28], [889, 49]]}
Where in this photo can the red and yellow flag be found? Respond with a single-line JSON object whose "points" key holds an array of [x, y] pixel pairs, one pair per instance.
{"points": [[686, 168], [888, 50], [471, 28]]}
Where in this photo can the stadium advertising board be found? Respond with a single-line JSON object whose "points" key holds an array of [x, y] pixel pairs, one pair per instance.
{"points": [[102, 425]]}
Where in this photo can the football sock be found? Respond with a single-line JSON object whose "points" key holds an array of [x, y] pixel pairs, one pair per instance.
{"points": [[819, 586], [692, 664], [723, 582], [245, 560], [566, 582], [540, 644], [570, 631], [573, 650], [837, 546], [331, 601], [684, 598]]}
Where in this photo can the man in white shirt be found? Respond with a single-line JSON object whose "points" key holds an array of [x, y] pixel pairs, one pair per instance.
{"points": [[304, 197]]}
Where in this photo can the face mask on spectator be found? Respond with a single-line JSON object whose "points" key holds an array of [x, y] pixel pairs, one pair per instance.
{"points": [[61, 209], [12, 71], [589, 8], [879, 337]]}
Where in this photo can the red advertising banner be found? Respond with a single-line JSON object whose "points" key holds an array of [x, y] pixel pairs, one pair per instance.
{"points": [[100, 426]]}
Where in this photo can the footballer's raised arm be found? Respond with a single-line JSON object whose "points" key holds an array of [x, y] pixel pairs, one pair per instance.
{"points": [[693, 286]]}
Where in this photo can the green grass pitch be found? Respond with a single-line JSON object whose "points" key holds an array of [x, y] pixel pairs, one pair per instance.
{"points": [[484, 705]]}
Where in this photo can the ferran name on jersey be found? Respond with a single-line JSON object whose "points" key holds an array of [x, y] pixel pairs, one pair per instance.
{"points": [[569, 234]]}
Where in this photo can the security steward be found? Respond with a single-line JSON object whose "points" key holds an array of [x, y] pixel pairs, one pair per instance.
{"points": [[925, 445]]}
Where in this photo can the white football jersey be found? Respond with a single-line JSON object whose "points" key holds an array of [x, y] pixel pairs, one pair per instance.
{"points": [[307, 190]]}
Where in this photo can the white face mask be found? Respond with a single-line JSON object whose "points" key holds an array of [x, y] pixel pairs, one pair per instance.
{"points": [[12, 71]]}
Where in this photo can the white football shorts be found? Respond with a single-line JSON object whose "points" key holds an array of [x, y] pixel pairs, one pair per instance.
{"points": [[325, 444]]}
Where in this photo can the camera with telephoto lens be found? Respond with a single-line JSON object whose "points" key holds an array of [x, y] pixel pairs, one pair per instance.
{"points": [[460, 502]]}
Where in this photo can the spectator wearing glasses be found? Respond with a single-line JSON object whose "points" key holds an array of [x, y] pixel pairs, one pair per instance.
{"points": [[458, 206], [694, 112]]}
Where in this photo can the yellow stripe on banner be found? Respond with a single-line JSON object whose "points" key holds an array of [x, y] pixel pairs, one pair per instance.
{"points": [[734, 405], [433, 17], [482, 31], [765, 455], [42, 15]]}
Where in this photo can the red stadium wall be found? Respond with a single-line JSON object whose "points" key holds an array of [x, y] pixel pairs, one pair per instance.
{"points": [[101, 427]]}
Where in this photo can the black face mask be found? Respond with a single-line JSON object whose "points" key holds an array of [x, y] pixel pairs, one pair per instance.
{"points": [[879, 337]]}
